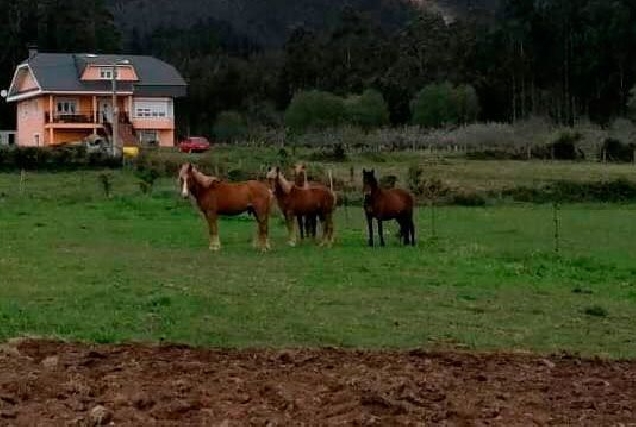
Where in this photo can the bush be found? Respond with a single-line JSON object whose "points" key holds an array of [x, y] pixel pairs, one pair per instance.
{"points": [[616, 151], [54, 159], [432, 188], [495, 155], [616, 191], [105, 182], [314, 109], [414, 180], [467, 103], [241, 175], [441, 104], [368, 110], [337, 154], [434, 106], [596, 311], [564, 148], [467, 199]]}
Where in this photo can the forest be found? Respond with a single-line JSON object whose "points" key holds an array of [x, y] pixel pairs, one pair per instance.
{"points": [[563, 60]]}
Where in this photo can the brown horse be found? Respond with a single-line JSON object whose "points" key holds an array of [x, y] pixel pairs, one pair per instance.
{"points": [[306, 200], [215, 197], [385, 205], [307, 222]]}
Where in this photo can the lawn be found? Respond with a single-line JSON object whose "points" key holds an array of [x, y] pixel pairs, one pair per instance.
{"points": [[76, 265]]}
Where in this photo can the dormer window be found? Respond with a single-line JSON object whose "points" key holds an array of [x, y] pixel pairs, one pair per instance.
{"points": [[106, 73]]}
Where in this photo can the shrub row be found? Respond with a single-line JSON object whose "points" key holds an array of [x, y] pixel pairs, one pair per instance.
{"points": [[565, 147], [615, 191], [54, 159]]}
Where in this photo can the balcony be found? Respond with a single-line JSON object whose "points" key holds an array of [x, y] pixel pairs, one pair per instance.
{"points": [[79, 117]]}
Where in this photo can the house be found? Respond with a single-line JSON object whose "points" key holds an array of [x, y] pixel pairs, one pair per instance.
{"points": [[7, 138], [65, 97]]}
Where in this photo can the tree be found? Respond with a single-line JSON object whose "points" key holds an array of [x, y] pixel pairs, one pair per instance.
{"points": [[466, 103], [301, 65], [229, 126], [631, 104], [368, 110], [435, 106], [314, 109]]}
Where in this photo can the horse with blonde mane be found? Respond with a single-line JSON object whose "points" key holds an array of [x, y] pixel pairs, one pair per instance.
{"points": [[305, 200], [215, 198]]}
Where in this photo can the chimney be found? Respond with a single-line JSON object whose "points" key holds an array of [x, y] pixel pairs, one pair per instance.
{"points": [[33, 50]]}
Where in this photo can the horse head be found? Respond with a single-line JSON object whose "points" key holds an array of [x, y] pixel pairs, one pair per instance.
{"points": [[190, 179], [186, 179], [277, 180], [369, 181]]}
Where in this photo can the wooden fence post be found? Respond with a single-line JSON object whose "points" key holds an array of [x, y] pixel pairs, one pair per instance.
{"points": [[22, 180]]}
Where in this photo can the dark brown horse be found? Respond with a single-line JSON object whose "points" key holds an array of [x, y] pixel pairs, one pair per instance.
{"points": [[306, 201], [215, 197], [385, 205], [307, 222]]}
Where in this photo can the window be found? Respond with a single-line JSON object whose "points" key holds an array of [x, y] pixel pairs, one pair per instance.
{"points": [[65, 107], [148, 137], [36, 139], [106, 73], [152, 109]]}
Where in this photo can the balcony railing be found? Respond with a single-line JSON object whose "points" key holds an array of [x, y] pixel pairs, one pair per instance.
{"points": [[87, 116]]}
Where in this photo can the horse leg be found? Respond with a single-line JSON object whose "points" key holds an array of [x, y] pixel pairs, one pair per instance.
{"points": [[215, 242], [313, 220], [309, 225], [404, 230], [324, 225], [263, 226], [300, 219], [262, 213], [412, 230], [380, 233], [370, 226], [330, 225], [291, 229]]}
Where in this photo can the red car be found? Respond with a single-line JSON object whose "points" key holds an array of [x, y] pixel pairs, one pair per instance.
{"points": [[194, 144]]}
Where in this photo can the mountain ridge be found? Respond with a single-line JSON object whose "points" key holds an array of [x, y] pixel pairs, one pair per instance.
{"points": [[268, 23]]}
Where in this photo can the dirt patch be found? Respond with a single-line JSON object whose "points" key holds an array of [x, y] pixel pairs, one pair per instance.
{"points": [[53, 383]]}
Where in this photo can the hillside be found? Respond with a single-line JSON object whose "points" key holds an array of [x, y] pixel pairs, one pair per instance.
{"points": [[267, 23]]}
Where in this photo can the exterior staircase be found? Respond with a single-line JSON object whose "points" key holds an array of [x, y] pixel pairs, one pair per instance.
{"points": [[125, 131]]}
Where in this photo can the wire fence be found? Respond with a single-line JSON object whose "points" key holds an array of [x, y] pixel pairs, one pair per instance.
{"points": [[600, 231]]}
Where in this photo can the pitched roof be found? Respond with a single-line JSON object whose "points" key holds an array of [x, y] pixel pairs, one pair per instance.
{"points": [[60, 72]]}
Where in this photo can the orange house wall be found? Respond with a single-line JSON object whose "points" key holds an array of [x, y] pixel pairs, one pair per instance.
{"points": [[30, 121], [164, 128], [166, 138], [26, 82], [159, 124]]}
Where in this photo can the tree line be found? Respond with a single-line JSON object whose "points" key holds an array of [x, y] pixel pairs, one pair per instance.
{"points": [[567, 60]]}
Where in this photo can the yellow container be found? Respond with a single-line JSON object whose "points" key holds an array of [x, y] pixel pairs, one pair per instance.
{"points": [[131, 151]]}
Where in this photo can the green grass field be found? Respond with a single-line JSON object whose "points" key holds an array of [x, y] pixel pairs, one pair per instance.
{"points": [[74, 264]]}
